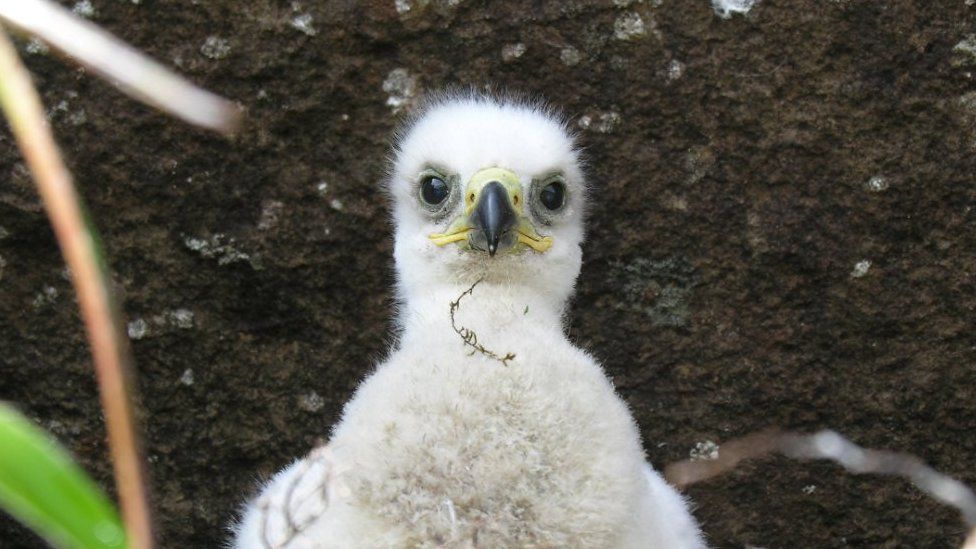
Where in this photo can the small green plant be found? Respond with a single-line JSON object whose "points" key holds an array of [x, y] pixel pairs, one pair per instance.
{"points": [[41, 486]]}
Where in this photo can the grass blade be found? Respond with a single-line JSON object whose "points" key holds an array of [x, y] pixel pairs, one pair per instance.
{"points": [[135, 73], [41, 486]]}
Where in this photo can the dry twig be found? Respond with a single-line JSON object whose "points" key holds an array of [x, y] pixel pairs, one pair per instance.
{"points": [[831, 445], [468, 336], [133, 72]]}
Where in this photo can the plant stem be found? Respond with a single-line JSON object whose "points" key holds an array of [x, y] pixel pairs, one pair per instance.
{"points": [[132, 71], [79, 245]]}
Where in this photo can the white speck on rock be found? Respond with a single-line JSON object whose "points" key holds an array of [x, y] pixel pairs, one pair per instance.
{"points": [[59, 428], [63, 109], [604, 122], [322, 188], [77, 117], [725, 8], [137, 329], [877, 184], [36, 47], [511, 52], [673, 202], [861, 268], [336, 204], [270, 214], [809, 489], [707, 450], [698, 162], [967, 45], [4, 233], [180, 318], [403, 6], [84, 8], [187, 377], [676, 69], [57, 109], [311, 402], [56, 427], [968, 101], [48, 295], [401, 88], [626, 3], [303, 22], [628, 26], [219, 247], [215, 47], [607, 122], [570, 56], [755, 234]]}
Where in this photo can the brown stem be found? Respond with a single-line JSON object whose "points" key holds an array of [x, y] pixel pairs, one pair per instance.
{"points": [[79, 246]]}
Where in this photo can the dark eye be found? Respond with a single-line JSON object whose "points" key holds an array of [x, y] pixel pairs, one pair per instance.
{"points": [[553, 195], [434, 190]]}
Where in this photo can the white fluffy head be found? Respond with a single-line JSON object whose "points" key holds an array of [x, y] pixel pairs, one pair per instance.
{"points": [[460, 136]]}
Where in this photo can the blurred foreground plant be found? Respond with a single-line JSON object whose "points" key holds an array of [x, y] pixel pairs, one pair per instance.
{"points": [[45, 489], [832, 446], [144, 79]]}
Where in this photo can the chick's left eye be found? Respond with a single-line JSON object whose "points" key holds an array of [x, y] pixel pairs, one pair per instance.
{"points": [[434, 190]]}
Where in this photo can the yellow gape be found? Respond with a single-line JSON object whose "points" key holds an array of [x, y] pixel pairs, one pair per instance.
{"points": [[461, 229]]}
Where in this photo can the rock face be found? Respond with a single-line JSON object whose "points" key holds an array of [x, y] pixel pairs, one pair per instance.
{"points": [[784, 233]]}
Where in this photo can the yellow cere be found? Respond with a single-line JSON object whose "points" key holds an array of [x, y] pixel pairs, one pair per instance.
{"points": [[458, 230]]}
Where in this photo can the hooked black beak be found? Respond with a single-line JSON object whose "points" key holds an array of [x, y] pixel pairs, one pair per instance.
{"points": [[493, 215]]}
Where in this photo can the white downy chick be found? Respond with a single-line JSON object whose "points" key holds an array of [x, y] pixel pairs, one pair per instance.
{"points": [[486, 426]]}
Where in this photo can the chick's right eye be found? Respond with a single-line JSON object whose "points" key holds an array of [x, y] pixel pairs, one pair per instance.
{"points": [[434, 190]]}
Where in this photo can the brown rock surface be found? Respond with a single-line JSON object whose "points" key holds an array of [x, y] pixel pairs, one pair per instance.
{"points": [[784, 233]]}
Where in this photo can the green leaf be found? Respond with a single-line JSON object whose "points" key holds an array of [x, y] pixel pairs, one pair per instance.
{"points": [[41, 486]]}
